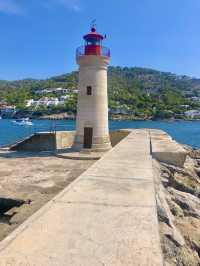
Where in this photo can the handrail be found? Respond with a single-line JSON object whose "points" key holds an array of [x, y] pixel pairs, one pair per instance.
{"points": [[104, 51]]}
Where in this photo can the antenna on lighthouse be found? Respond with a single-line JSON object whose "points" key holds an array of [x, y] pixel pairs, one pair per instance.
{"points": [[93, 25]]}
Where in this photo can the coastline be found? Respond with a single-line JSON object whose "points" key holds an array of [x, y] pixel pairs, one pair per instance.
{"points": [[186, 132], [66, 116]]}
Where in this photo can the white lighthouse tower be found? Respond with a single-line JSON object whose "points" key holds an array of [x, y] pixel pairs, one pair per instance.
{"points": [[92, 111]]}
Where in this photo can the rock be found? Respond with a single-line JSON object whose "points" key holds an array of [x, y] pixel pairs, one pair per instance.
{"points": [[165, 172], [187, 257], [172, 169], [170, 250], [196, 246], [197, 170], [177, 192], [188, 203], [164, 213], [185, 188], [193, 153], [8, 203], [166, 218], [165, 182], [175, 209], [184, 185], [185, 180], [173, 234]]}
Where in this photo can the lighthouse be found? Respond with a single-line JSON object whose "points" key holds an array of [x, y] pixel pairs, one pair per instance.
{"points": [[92, 130]]}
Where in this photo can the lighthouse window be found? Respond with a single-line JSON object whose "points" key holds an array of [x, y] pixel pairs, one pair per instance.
{"points": [[89, 90]]}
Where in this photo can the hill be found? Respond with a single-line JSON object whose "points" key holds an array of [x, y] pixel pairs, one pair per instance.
{"points": [[138, 91]]}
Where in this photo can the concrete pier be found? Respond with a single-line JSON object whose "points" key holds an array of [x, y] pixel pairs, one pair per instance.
{"points": [[165, 149], [108, 216]]}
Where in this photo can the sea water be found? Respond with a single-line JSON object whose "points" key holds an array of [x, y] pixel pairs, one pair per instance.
{"points": [[186, 132]]}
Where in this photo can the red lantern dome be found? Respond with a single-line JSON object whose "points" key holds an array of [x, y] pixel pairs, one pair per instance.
{"points": [[93, 45], [93, 42]]}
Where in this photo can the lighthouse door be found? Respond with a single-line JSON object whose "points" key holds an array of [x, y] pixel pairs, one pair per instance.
{"points": [[88, 132]]}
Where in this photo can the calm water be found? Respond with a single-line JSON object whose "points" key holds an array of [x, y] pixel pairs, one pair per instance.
{"points": [[184, 131]]}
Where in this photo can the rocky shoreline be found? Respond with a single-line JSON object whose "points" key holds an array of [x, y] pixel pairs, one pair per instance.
{"points": [[66, 116], [178, 203]]}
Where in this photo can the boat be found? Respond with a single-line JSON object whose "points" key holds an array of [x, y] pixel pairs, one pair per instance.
{"points": [[0, 117], [23, 122]]}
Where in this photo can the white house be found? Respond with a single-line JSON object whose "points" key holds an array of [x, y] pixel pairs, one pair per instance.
{"points": [[64, 97], [52, 101], [192, 114], [30, 102], [45, 101], [50, 90]]}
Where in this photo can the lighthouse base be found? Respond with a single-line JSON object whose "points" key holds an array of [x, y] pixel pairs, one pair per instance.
{"points": [[95, 144]]}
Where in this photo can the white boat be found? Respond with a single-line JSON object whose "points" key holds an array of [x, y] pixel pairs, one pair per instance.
{"points": [[0, 117], [23, 122]]}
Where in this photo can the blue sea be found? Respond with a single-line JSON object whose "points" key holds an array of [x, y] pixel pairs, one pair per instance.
{"points": [[186, 132]]}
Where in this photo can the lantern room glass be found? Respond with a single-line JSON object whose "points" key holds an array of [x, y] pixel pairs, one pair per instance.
{"points": [[93, 41]]}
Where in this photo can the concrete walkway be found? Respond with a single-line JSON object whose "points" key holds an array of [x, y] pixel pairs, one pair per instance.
{"points": [[107, 217]]}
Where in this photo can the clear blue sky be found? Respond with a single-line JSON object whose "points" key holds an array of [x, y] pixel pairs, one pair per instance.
{"points": [[39, 37]]}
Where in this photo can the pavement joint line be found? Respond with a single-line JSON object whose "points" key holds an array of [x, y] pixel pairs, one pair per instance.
{"points": [[96, 177], [105, 204], [142, 167]]}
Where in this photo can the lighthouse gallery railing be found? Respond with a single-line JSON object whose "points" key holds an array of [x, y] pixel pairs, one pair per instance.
{"points": [[104, 51]]}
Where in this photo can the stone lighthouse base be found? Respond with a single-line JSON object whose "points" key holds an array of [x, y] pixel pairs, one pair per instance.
{"points": [[98, 144]]}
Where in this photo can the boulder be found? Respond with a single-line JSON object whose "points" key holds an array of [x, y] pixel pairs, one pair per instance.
{"points": [[187, 202], [173, 234], [175, 209]]}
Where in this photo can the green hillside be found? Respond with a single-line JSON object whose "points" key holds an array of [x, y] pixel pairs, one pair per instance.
{"points": [[139, 92]]}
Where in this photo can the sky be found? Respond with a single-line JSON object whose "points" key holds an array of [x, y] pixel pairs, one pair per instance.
{"points": [[38, 38]]}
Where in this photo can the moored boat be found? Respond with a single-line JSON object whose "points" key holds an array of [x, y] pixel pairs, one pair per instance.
{"points": [[23, 122]]}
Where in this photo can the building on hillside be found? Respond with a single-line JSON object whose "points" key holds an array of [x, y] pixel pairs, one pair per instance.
{"points": [[52, 90], [30, 102], [185, 106], [64, 97], [192, 114], [195, 99], [46, 101]]}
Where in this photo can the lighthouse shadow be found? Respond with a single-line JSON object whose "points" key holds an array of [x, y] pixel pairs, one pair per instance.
{"points": [[6, 207], [74, 154]]}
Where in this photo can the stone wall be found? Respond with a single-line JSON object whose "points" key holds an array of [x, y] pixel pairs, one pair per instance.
{"points": [[45, 141], [50, 141], [38, 142]]}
